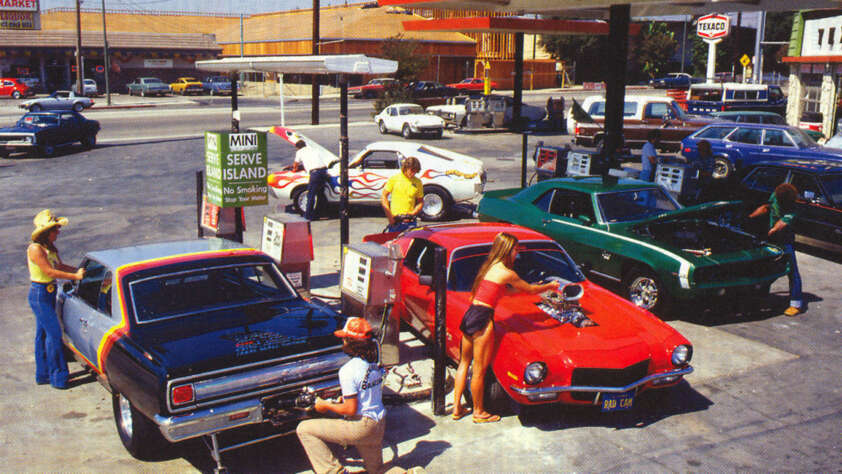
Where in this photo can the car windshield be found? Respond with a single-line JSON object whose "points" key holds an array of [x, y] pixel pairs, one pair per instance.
{"points": [[597, 109], [153, 81], [196, 291], [635, 205], [189, 79], [833, 185], [714, 132], [535, 262], [37, 119], [801, 139], [411, 110]]}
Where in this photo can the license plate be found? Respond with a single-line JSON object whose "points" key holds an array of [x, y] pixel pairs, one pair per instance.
{"points": [[617, 401]]}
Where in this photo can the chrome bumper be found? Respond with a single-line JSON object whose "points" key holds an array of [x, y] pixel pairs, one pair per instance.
{"points": [[587, 388], [213, 420]]}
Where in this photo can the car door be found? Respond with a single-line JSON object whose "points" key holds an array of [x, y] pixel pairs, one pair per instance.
{"points": [[392, 119], [367, 179], [567, 216], [418, 300], [71, 127], [777, 145], [815, 215], [744, 145], [86, 311]]}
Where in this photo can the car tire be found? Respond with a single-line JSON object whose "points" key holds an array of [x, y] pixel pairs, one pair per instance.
{"points": [[299, 200], [140, 436], [89, 141], [4, 154], [78, 107], [722, 168], [437, 204], [142, 93], [16, 94], [35, 108], [131, 93], [47, 150], [645, 290], [438, 133], [406, 132], [495, 398], [212, 93], [382, 126]]}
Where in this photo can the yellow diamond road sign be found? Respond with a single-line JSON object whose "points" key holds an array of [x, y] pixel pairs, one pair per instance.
{"points": [[745, 60]]}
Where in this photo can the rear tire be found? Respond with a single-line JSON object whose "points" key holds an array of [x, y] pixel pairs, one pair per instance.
{"points": [[140, 436], [382, 126], [299, 200], [406, 132], [78, 107], [89, 141], [35, 108], [143, 93], [437, 204], [16, 95]]}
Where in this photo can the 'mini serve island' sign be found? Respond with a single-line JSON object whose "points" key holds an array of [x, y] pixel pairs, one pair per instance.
{"points": [[236, 169]]}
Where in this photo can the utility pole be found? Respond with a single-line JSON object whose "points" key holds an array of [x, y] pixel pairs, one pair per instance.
{"points": [[105, 56], [314, 102], [757, 73], [78, 87]]}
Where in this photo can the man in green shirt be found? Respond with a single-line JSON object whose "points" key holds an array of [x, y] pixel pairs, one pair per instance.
{"points": [[403, 196], [781, 210]]}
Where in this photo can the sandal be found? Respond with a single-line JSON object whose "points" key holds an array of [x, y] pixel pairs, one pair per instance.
{"points": [[463, 414], [487, 419]]}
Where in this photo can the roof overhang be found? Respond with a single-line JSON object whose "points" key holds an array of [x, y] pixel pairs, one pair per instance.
{"points": [[329, 64], [599, 8], [509, 24], [812, 59]]}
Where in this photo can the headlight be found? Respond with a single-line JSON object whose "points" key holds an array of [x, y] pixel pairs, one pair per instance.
{"points": [[535, 373], [29, 139], [681, 355]]}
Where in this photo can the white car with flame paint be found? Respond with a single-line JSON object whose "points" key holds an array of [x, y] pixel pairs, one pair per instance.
{"points": [[408, 120], [448, 177]]}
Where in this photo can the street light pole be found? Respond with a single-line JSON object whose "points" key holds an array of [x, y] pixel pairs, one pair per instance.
{"points": [[78, 87], [105, 56]]}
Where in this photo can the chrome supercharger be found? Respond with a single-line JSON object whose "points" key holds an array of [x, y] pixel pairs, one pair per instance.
{"points": [[288, 240], [370, 285]]}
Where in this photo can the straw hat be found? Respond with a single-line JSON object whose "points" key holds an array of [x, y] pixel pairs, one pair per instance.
{"points": [[44, 221]]}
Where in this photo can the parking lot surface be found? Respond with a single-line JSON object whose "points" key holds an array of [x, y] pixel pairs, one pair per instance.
{"points": [[765, 396]]}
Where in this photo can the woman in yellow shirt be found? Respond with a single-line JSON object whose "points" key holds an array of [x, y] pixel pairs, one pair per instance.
{"points": [[44, 267]]}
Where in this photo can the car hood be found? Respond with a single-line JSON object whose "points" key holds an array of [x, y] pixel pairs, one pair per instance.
{"points": [[22, 128], [624, 334], [233, 337], [700, 211]]}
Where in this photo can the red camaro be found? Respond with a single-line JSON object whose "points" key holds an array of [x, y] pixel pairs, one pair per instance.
{"points": [[588, 347], [471, 84]]}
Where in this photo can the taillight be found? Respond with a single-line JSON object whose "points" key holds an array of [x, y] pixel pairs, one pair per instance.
{"points": [[182, 394], [687, 149], [577, 130]]}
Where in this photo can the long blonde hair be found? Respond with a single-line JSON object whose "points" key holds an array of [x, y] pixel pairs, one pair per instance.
{"points": [[502, 250]]}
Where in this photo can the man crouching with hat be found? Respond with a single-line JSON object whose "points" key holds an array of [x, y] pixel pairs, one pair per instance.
{"points": [[361, 406], [45, 267]]}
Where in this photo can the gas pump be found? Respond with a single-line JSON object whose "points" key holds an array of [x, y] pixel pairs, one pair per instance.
{"points": [[370, 285], [287, 239]]}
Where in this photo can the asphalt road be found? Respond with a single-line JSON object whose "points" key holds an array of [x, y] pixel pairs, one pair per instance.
{"points": [[766, 394]]}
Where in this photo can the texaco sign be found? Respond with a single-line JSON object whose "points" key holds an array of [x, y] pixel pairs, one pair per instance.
{"points": [[713, 26]]}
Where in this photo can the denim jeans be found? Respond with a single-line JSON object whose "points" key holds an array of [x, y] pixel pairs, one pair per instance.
{"points": [[402, 226], [795, 298], [318, 179], [50, 365]]}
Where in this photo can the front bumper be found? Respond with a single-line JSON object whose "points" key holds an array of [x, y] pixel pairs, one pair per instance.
{"points": [[551, 393], [221, 418], [12, 144], [426, 128]]}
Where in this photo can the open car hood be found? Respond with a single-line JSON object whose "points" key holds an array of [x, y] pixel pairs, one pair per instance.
{"points": [[699, 211], [291, 137]]}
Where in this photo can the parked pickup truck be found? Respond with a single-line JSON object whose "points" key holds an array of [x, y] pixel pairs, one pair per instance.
{"points": [[640, 115], [198, 337], [217, 85], [707, 98], [144, 86]]}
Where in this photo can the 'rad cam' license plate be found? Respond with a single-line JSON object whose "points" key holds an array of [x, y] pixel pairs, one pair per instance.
{"points": [[617, 401]]}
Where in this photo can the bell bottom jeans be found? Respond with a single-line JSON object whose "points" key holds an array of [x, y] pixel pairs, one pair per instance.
{"points": [[50, 365]]}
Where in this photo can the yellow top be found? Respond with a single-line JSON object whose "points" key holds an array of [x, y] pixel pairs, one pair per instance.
{"points": [[404, 193], [35, 272]]}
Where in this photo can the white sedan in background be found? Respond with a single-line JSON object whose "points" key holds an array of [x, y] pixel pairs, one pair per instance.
{"points": [[408, 120], [448, 177]]}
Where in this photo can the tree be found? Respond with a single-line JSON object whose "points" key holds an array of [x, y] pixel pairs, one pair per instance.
{"points": [[411, 63], [655, 49], [579, 50]]}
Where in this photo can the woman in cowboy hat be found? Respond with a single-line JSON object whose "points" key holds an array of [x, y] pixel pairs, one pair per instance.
{"points": [[44, 267]]}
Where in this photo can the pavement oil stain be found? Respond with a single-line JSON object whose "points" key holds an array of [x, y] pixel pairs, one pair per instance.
{"points": [[73, 415], [694, 463]]}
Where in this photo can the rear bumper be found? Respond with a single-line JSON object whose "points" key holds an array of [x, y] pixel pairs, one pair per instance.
{"points": [[226, 417]]}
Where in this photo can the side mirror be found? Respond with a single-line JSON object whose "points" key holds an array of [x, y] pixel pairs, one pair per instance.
{"points": [[425, 280], [585, 219]]}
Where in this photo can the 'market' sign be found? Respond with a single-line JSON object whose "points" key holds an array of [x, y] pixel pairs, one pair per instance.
{"points": [[235, 166]]}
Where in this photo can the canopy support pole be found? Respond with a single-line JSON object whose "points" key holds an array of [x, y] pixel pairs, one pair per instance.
{"points": [[615, 87], [343, 162]]}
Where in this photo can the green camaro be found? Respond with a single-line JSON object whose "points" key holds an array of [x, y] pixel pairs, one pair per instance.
{"points": [[634, 232]]}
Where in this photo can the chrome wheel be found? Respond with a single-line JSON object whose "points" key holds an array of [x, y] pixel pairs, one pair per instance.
{"points": [[644, 292], [125, 420], [721, 168], [433, 204]]}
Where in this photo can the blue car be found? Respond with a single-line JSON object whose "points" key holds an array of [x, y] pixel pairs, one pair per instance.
{"points": [[43, 132], [675, 80], [217, 85], [735, 146]]}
